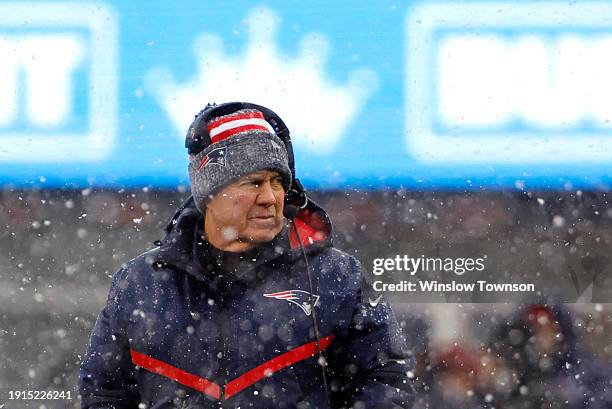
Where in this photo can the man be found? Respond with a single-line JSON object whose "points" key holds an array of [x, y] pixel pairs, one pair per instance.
{"points": [[240, 306]]}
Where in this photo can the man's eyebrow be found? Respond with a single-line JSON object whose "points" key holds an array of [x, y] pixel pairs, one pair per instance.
{"points": [[260, 176], [253, 176]]}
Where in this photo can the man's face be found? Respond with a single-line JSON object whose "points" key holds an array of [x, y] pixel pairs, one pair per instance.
{"points": [[247, 212]]}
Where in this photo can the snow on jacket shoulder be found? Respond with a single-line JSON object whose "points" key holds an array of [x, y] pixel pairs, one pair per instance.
{"points": [[178, 332]]}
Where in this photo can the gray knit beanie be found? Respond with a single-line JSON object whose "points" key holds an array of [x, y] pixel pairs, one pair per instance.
{"points": [[242, 142]]}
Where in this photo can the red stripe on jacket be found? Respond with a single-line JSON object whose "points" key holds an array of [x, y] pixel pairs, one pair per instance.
{"points": [[243, 381], [274, 365], [174, 373]]}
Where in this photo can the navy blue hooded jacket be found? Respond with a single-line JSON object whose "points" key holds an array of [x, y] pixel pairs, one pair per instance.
{"points": [[180, 331]]}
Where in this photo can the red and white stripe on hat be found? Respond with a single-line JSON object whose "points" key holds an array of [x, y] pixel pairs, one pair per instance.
{"points": [[238, 122]]}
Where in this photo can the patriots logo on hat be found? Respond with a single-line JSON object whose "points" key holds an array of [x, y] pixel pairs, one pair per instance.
{"points": [[216, 156], [298, 297]]}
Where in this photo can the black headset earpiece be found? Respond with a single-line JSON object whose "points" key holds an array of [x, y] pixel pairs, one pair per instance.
{"points": [[198, 138]]}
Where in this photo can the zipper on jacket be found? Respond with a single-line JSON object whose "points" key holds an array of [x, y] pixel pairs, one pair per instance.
{"points": [[223, 362], [225, 353]]}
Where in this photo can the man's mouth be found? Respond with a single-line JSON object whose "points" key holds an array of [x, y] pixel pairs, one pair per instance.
{"points": [[268, 217]]}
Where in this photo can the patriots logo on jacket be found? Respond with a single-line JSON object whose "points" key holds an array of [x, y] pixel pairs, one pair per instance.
{"points": [[298, 297], [216, 156]]}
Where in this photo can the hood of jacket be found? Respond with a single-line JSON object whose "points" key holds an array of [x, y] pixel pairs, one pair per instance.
{"points": [[183, 238]]}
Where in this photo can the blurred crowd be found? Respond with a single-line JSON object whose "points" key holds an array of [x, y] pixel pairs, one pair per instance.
{"points": [[532, 360]]}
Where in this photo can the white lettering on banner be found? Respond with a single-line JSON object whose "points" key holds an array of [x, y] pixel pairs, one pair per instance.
{"points": [[488, 80], [48, 63], [8, 85], [296, 87], [509, 83], [44, 48]]}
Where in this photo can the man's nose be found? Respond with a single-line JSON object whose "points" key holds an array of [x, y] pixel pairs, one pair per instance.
{"points": [[266, 194]]}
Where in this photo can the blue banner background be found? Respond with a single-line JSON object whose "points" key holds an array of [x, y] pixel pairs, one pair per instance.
{"points": [[372, 152]]}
